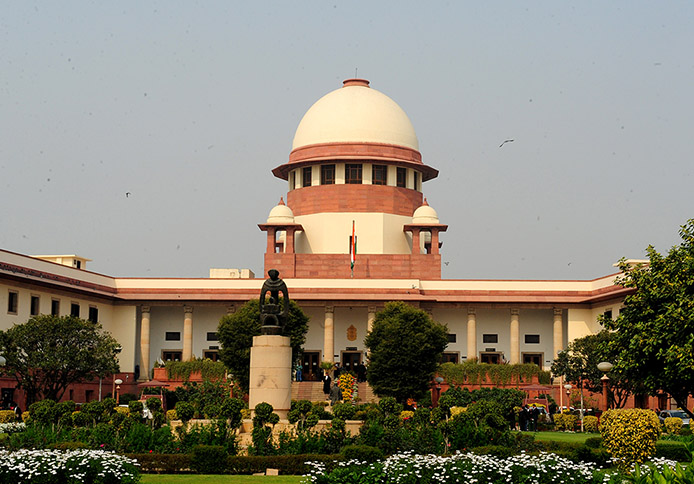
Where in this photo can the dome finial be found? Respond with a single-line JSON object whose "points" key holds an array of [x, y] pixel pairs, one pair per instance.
{"points": [[281, 201], [426, 204], [355, 82]]}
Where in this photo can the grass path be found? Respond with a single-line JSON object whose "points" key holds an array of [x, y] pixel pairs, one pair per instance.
{"points": [[216, 479]]}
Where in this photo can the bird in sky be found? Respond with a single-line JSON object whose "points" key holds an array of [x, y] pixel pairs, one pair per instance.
{"points": [[506, 141], [127, 194]]}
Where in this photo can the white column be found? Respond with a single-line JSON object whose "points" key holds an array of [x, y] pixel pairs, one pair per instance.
{"points": [[144, 343], [558, 332], [370, 318], [515, 337], [471, 333], [187, 333], [329, 334]]}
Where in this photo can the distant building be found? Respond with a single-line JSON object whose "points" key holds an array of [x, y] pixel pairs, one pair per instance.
{"points": [[355, 168]]}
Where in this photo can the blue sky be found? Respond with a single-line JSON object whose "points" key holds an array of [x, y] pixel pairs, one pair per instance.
{"points": [[189, 105]]}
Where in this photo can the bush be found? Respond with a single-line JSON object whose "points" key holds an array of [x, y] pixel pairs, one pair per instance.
{"points": [[673, 425], [162, 463], [676, 451], [7, 416], [135, 407], [565, 421], [593, 442], [630, 435], [590, 423], [362, 453], [500, 451], [208, 459], [171, 415], [345, 411], [184, 411]]}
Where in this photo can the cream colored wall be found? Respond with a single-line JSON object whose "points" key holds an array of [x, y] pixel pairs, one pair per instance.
{"points": [[456, 320], [123, 327], [328, 233], [205, 320], [163, 319], [314, 337], [583, 322], [494, 321], [537, 321], [344, 317]]}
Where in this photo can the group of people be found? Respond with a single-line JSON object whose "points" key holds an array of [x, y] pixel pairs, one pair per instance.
{"points": [[528, 417]]}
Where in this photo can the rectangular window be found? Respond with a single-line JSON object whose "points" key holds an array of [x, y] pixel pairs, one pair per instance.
{"points": [[168, 355], [55, 307], [35, 303], [490, 338], [532, 339], [327, 175], [449, 358], [75, 310], [353, 174], [12, 302], [210, 355], [534, 358], [173, 336], [401, 177], [452, 337], [379, 175], [608, 314], [93, 314], [307, 174], [212, 336], [416, 180]]}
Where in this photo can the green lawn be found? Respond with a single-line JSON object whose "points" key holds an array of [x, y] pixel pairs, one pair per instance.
{"points": [[562, 436], [216, 479]]}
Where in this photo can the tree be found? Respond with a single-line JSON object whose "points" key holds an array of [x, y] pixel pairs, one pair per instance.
{"points": [[48, 353], [236, 332], [404, 348], [578, 364], [655, 328]]}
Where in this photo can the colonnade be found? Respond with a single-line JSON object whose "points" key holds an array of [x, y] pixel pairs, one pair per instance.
{"points": [[329, 333]]}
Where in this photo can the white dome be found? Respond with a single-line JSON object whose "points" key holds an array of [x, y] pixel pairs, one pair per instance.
{"points": [[355, 113], [425, 215], [281, 214]]}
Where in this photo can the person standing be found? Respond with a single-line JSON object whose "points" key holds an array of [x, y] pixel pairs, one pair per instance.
{"points": [[335, 394], [299, 371], [326, 383]]}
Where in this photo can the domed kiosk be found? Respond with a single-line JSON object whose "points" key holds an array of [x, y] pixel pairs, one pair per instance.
{"points": [[355, 166]]}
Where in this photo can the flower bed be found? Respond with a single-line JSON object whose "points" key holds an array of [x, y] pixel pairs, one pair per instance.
{"points": [[9, 428], [469, 468], [71, 467]]}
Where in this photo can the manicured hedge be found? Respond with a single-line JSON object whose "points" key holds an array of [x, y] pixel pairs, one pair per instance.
{"points": [[672, 451], [186, 463]]}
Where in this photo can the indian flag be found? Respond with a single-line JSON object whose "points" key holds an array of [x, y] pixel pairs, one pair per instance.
{"points": [[352, 250]]}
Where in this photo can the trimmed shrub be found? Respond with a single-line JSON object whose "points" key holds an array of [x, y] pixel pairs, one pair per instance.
{"points": [[345, 411], [7, 416], [163, 463], [590, 423], [673, 451], [630, 435], [593, 442], [673, 425], [362, 453], [135, 407], [184, 411], [208, 459], [171, 415], [565, 421]]}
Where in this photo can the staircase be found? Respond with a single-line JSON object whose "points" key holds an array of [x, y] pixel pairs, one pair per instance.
{"points": [[313, 391]]}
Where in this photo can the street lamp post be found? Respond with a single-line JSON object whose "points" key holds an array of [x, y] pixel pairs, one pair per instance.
{"points": [[568, 392], [605, 367], [118, 383]]}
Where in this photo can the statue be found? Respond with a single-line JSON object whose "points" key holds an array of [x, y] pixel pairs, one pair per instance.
{"points": [[272, 318]]}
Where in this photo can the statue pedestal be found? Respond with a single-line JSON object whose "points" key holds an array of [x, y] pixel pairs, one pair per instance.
{"points": [[271, 373]]}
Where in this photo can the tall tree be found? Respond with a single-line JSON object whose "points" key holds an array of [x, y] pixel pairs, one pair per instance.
{"points": [[578, 364], [236, 332], [404, 348], [48, 353], [655, 328]]}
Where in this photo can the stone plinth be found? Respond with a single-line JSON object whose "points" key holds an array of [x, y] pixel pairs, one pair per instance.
{"points": [[271, 373]]}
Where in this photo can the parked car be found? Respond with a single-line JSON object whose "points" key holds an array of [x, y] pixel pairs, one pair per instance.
{"points": [[674, 413]]}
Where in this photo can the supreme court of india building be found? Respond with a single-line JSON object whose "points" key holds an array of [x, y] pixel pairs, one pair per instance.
{"points": [[355, 159]]}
